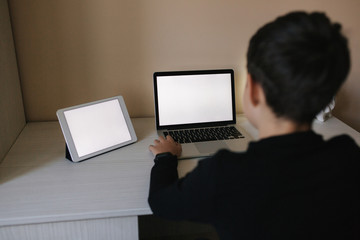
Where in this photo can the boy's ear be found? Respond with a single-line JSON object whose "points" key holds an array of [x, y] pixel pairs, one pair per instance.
{"points": [[255, 91]]}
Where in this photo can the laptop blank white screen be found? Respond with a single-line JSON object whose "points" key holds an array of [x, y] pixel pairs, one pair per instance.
{"points": [[189, 99]]}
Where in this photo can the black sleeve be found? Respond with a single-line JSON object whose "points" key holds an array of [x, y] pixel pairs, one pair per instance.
{"points": [[188, 198]]}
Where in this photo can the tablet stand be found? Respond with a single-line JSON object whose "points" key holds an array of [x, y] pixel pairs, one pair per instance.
{"points": [[67, 153]]}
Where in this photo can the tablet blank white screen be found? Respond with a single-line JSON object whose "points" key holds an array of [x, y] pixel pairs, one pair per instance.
{"points": [[97, 127], [190, 99]]}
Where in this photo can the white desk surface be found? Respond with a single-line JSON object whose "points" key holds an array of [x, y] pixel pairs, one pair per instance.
{"points": [[38, 185]]}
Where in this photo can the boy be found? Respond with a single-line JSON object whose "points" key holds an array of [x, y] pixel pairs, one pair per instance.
{"points": [[290, 184]]}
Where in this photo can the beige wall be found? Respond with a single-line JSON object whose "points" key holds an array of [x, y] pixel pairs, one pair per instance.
{"points": [[12, 118], [74, 51]]}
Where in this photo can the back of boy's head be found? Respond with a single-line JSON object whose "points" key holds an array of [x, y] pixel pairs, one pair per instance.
{"points": [[300, 60]]}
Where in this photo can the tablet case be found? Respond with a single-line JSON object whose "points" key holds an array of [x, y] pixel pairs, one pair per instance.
{"points": [[62, 120]]}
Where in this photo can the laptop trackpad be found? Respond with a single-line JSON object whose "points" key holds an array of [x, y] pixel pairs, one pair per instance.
{"points": [[210, 147]]}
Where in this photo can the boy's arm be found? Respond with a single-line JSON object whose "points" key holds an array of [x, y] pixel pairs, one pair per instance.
{"points": [[188, 198]]}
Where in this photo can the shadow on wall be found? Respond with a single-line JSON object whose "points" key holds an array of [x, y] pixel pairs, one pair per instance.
{"points": [[76, 52]]}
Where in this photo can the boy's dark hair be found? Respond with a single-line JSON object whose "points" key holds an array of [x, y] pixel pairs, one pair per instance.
{"points": [[300, 60]]}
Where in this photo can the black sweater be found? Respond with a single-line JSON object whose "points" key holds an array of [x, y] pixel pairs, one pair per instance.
{"points": [[294, 186]]}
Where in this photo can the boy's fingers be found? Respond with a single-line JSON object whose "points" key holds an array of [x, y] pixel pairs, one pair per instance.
{"points": [[151, 148], [169, 138]]}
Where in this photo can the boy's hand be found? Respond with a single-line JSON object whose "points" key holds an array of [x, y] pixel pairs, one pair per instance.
{"points": [[167, 144]]}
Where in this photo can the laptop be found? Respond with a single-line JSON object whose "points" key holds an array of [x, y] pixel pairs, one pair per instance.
{"points": [[197, 108]]}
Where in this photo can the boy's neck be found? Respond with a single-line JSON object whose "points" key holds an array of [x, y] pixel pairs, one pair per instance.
{"points": [[280, 126]]}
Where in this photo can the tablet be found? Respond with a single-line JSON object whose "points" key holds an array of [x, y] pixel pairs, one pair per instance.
{"points": [[94, 128]]}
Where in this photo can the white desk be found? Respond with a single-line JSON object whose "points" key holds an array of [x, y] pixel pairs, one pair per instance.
{"points": [[45, 196]]}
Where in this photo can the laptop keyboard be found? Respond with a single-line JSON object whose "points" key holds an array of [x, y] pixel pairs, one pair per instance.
{"points": [[204, 134]]}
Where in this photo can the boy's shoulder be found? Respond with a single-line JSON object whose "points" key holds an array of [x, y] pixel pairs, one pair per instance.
{"points": [[343, 139], [341, 146], [346, 148], [344, 142]]}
